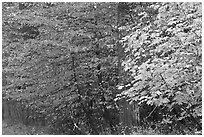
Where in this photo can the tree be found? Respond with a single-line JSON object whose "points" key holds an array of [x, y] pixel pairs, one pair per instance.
{"points": [[164, 59], [65, 62], [57, 63]]}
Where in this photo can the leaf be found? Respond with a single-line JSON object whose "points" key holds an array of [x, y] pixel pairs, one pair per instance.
{"points": [[167, 121], [149, 102], [165, 100], [120, 87]]}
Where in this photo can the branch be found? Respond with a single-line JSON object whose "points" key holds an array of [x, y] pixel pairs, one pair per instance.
{"points": [[151, 112], [164, 81]]}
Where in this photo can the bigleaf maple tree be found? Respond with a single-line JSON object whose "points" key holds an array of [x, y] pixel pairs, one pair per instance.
{"points": [[164, 58]]}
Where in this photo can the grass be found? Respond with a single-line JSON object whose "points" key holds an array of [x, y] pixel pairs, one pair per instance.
{"points": [[15, 128]]}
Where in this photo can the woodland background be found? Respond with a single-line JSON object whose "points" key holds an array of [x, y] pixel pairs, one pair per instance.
{"points": [[103, 68]]}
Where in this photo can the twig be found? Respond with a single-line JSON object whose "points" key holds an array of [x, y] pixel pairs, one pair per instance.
{"points": [[151, 112], [164, 81]]}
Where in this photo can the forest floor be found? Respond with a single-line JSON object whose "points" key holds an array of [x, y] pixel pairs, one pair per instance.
{"points": [[11, 128], [16, 128]]}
